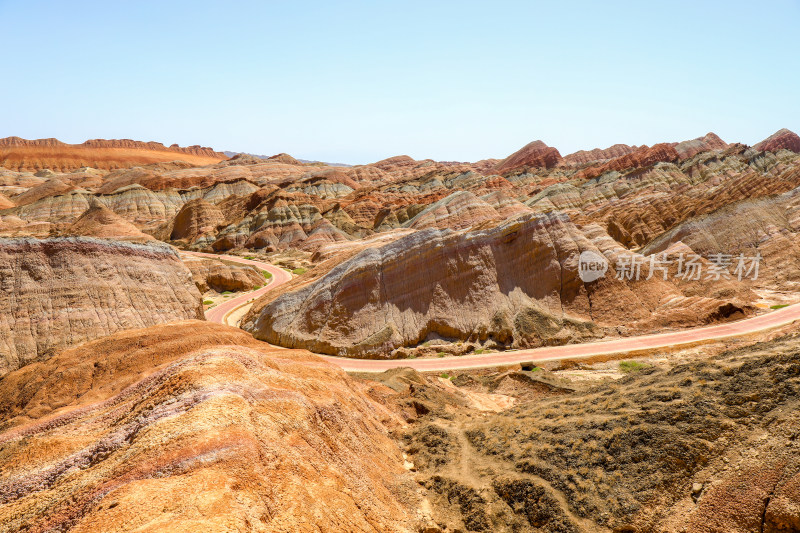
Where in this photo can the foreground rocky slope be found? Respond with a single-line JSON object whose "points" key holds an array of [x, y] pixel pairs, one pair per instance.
{"points": [[705, 447], [195, 427], [59, 292]]}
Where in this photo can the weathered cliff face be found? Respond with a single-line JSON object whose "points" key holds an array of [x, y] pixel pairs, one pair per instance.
{"points": [[23, 154], [63, 291], [195, 426], [515, 285]]}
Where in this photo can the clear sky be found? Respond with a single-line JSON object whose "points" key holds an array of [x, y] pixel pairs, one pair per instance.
{"points": [[355, 82]]}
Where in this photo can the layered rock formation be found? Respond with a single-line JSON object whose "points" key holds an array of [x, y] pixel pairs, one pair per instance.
{"points": [[281, 203], [99, 221], [5, 203], [63, 291], [708, 142], [643, 156], [222, 276], [583, 157], [51, 187], [780, 140], [22, 154], [535, 154], [196, 427], [195, 219], [515, 284]]}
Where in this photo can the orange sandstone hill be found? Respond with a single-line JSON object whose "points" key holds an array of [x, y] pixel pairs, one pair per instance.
{"points": [[21, 154], [193, 426]]}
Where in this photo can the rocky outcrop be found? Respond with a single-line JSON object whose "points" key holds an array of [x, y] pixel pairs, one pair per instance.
{"points": [[393, 163], [196, 218], [22, 154], [780, 140], [51, 187], [536, 155], [598, 155], [99, 221], [458, 211], [223, 276], [643, 156], [513, 285], [196, 427], [5, 203], [285, 158], [710, 141], [63, 291]]}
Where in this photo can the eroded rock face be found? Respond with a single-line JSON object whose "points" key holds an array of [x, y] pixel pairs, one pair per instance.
{"points": [[221, 276], [62, 291], [5, 203], [515, 285], [99, 221], [195, 426], [196, 218]]}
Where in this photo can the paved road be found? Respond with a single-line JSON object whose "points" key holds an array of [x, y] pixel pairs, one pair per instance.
{"points": [[770, 320], [218, 312]]}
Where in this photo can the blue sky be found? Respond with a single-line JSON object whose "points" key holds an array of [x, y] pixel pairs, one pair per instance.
{"points": [[357, 82]]}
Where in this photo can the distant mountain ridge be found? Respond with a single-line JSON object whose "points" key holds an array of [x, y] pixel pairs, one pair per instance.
{"points": [[231, 154], [106, 154]]}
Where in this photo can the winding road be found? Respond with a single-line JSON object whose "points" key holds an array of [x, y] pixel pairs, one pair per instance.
{"points": [[219, 312], [773, 319]]}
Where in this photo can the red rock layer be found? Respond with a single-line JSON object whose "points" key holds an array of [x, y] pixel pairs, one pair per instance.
{"points": [[22, 154], [223, 276], [710, 141], [641, 157], [782, 139], [536, 154]]}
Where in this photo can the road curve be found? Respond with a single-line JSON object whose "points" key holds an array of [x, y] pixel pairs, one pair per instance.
{"points": [[218, 312], [780, 317], [686, 337]]}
